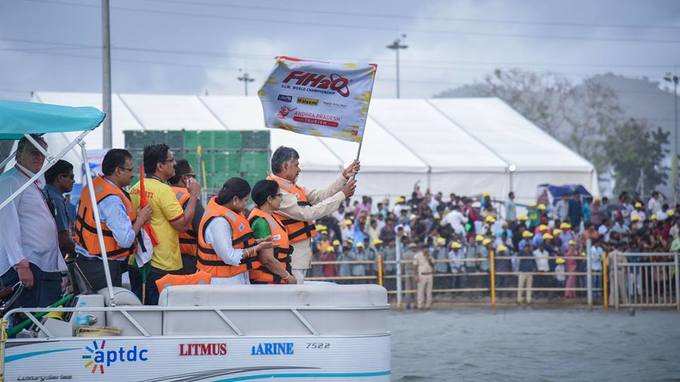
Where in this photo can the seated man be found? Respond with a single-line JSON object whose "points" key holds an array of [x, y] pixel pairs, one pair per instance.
{"points": [[120, 221], [59, 179]]}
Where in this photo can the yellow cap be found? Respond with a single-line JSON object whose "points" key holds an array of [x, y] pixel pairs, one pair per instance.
{"points": [[547, 236], [360, 245], [485, 193], [557, 231], [441, 241], [502, 248], [559, 260], [541, 207], [670, 212], [635, 218], [479, 238], [330, 249], [565, 226], [638, 205], [336, 242], [522, 217], [321, 228], [542, 227], [527, 234], [486, 242], [455, 244], [572, 242], [377, 242], [347, 222], [490, 219], [401, 199], [653, 217]]}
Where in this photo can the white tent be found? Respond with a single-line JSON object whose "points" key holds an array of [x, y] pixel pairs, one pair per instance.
{"points": [[461, 145]]}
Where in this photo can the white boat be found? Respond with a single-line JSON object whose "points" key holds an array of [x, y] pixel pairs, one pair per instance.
{"points": [[315, 331]]}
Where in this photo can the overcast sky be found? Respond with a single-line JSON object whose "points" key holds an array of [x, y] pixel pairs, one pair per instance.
{"points": [[193, 46]]}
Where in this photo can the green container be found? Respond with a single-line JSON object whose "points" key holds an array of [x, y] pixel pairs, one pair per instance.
{"points": [[258, 139], [191, 139], [227, 140], [174, 139], [227, 162], [132, 139], [254, 161]]}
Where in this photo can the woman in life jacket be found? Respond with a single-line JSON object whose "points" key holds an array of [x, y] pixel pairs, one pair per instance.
{"points": [[265, 224], [227, 248]]}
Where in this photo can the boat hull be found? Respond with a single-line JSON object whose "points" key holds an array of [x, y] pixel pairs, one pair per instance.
{"points": [[200, 358]]}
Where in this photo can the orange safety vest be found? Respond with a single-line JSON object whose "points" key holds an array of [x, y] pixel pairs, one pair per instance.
{"points": [[187, 239], [200, 277], [85, 227], [297, 230], [242, 237], [282, 248]]}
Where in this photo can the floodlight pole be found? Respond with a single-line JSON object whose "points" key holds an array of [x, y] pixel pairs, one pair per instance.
{"points": [[673, 78], [246, 78], [106, 75], [397, 46]]}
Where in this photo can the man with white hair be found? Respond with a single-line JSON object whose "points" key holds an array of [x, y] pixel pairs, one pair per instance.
{"points": [[29, 240], [301, 207]]}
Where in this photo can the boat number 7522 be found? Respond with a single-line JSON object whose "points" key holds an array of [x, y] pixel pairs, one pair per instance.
{"points": [[318, 345]]}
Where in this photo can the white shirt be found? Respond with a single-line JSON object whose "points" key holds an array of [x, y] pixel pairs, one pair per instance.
{"points": [[457, 220], [218, 234], [28, 228], [541, 258]]}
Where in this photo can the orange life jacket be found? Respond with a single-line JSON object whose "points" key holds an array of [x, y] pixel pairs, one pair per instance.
{"points": [[297, 230], [242, 237], [85, 227], [187, 239], [200, 277], [282, 248]]}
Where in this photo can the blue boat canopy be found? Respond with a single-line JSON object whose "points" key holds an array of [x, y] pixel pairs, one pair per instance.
{"points": [[19, 118]]}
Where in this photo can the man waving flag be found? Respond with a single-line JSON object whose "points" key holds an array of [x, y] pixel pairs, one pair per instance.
{"points": [[320, 99]]}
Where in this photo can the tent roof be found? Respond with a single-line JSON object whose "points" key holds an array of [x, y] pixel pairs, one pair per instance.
{"points": [[402, 135], [509, 135], [19, 118]]}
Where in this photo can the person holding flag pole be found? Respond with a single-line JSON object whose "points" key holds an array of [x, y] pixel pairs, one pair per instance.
{"points": [[322, 99]]}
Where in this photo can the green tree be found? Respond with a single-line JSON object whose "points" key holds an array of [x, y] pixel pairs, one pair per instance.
{"points": [[635, 150]]}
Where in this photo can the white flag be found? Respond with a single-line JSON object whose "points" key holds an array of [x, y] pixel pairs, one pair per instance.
{"points": [[318, 98]]}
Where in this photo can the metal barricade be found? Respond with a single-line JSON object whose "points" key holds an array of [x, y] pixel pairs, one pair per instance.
{"points": [[645, 280]]}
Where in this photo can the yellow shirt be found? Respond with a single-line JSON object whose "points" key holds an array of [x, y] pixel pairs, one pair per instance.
{"points": [[165, 209]]}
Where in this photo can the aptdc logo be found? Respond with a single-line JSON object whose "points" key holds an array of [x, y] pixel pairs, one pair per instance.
{"points": [[273, 348], [97, 358]]}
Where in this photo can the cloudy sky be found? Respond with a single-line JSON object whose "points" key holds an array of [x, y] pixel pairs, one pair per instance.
{"points": [[194, 46]]}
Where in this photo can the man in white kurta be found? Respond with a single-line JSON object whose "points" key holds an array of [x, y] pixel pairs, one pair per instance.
{"points": [[322, 202]]}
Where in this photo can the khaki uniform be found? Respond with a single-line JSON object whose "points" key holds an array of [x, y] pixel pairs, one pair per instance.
{"points": [[424, 280]]}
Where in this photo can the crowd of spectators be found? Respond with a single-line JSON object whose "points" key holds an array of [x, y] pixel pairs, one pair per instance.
{"points": [[458, 235]]}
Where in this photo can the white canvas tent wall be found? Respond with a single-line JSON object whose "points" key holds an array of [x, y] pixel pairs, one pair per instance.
{"points": [[464, 145]]}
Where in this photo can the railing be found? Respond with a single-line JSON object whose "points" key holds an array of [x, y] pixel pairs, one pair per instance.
{"points": [[128, 312], [476, 283], [645, 280]]}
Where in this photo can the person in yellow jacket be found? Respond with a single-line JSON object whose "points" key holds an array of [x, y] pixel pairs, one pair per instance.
{"points": [[267, 198], [299, 207], [227, 248], [168, 218]]}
